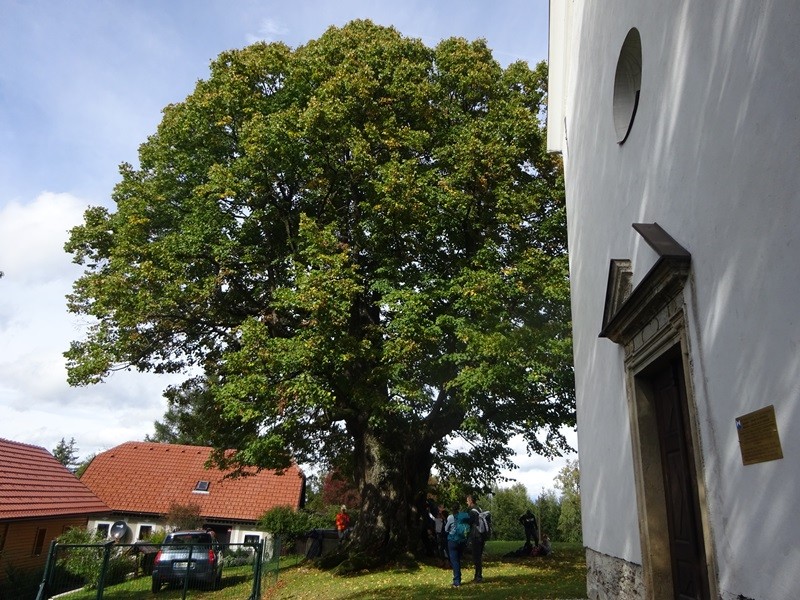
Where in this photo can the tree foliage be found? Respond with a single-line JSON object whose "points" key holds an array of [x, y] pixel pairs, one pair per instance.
{"points": [[84, 464], [547, 509], [84, 557], [507, 505], [184, 516], [569, 521], [361, 244], [67, 453], [291, 524], [190, 416], [338, 490]]}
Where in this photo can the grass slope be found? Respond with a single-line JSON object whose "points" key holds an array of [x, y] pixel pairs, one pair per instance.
{"points": [[560, 575]]}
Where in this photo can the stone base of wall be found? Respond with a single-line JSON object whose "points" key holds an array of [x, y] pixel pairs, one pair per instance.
{"points": [[611, 578]]}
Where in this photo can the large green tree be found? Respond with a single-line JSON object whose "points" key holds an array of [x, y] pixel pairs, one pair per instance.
{"points": [[361, 244], [507, 505]]}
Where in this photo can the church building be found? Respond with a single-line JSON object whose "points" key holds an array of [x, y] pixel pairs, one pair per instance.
{"points": [[679, 126]]}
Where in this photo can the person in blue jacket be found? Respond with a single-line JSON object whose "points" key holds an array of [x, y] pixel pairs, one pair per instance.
{"points": [[457, 528]]}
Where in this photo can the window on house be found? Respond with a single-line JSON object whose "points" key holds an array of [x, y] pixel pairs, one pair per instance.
{"points": [[39, 543], [201, 486], [145, 531], [252, 539], [3, 535], [102, 529]]}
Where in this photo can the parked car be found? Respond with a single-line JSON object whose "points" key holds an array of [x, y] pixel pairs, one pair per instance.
{"points": [[195, 555]]}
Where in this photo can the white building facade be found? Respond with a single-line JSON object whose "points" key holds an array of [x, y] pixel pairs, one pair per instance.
{"points": [[679, 125]]}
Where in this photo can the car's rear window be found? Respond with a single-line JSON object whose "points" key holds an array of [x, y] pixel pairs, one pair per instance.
{"points": [[190, 538]]}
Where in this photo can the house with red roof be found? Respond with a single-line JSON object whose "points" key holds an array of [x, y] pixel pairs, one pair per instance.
{"points": [[39, 500], [141, 481]]}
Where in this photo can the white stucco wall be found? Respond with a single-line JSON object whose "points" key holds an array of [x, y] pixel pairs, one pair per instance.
{"points": [[237, 533], [714, 158]]}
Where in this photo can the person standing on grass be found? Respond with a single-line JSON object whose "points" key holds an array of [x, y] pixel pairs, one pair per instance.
{"points": [[528, 522], [441, 535], [457, 528], [343, 524], [476, 538]]}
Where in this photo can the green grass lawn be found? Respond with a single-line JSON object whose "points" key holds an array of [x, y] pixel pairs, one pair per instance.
{"points": [[236, 585], [560, 575]]}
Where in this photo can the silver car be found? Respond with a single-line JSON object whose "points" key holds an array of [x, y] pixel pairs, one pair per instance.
{"points": [[195, 555]]}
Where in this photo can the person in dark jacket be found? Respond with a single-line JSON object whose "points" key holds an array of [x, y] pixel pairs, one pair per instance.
{"points": [[528, 522], [476, 538]]}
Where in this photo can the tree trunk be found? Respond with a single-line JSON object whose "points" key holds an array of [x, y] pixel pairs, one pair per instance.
{"points": [[394, 481]]}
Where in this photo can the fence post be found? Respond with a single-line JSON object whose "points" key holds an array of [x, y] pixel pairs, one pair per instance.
{"points": [[262, 546], [278, 549], [104, 569], [48, 572], [258, 561], [188, 569]]}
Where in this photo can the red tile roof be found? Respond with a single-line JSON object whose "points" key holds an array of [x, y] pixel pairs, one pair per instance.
{"points": [[34, 484], [143, 477]]}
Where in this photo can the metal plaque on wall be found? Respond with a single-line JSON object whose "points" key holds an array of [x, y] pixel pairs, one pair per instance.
{"points": [[758, 436]]}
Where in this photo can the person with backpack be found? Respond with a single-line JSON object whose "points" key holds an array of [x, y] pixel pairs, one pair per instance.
{"points": [[457, 529], [477, 538]]}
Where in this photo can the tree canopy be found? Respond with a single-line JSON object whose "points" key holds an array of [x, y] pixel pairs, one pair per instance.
{"points": [[360, 244], [66, 453]]}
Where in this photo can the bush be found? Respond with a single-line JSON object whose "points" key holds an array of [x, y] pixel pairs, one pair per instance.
{"points": [[239, 557], [291, 524], [87, 562], [20, 584], [184, 516]]}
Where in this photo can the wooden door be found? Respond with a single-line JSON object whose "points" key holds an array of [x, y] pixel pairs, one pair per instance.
{"points": [[689, 570]]}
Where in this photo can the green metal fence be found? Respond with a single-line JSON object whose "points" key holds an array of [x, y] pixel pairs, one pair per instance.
{"points": [[124, 571], [279, 556]]}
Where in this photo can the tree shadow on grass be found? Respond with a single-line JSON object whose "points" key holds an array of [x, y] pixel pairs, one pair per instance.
{"points": [[503, 587]]}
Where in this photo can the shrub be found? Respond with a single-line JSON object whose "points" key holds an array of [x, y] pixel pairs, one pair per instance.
{"points": [[291, 524], [20, 583], [184, 516], [238, 557], [86, 562]]}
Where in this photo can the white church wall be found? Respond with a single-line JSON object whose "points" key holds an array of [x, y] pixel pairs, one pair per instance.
{"points": [[713, 156]]}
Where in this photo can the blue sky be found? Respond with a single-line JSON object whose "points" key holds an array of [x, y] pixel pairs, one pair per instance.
{"points": [[82, 84]]}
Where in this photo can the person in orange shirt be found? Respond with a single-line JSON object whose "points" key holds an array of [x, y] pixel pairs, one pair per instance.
{"points": [[343, 524]]}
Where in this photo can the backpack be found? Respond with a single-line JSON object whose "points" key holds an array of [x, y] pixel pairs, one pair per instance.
{"points": [[485, 524], [460, 530]]}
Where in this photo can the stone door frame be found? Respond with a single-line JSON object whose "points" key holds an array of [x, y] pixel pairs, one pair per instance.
{"points": [[650, 322]]}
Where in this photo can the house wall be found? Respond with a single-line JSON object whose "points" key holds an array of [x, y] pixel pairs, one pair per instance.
{"points": [[20, 549], [713, 158], [235, 533]]}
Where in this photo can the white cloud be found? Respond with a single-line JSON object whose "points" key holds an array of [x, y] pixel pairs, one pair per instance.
{"points": [[35, 329], [535, 472], [32, 238], [269, 30]]}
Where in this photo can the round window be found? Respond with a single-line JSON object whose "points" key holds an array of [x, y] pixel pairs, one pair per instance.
{"points": [[627, 84]]}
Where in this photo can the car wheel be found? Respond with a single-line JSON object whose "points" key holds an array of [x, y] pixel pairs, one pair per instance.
{"points": [[156, 586]]}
